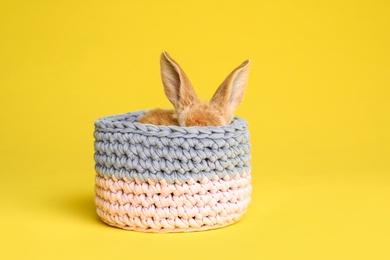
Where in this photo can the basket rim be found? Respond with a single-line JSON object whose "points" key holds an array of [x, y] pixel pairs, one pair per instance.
{"points": [[127, 123]]}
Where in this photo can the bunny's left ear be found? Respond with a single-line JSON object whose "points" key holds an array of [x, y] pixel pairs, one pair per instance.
{"points": [[177, 86], [231, 92]]}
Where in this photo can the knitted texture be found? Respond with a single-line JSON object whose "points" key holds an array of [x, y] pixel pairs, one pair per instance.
{"points": [[169, 178]]}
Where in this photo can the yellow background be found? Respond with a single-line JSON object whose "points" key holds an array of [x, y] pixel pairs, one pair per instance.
{"points": [[317, 104]]}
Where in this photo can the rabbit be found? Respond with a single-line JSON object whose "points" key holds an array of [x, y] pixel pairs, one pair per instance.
{"points": [[189, 110]]}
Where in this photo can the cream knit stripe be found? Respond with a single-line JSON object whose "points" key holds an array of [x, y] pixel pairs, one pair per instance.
{"points": [[182, 212], [168, 225]]}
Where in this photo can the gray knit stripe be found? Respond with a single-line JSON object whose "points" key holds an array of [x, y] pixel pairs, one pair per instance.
{"points": [[127, 149]]}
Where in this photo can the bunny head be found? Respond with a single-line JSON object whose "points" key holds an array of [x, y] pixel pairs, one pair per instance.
{"points": [[190, 111]]}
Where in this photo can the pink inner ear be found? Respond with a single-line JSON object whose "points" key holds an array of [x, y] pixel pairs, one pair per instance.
{"points": [[238, 87], [171, 79]]}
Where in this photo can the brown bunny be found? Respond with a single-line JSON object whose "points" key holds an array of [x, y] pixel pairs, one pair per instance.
{"points": [[189, 110]]}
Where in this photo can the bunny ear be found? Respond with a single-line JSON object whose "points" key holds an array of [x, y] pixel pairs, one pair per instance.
{"points": [[231, 92], [177, 86]]}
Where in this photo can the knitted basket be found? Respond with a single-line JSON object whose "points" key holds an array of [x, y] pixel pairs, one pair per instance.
{"points": [[169, 178]]}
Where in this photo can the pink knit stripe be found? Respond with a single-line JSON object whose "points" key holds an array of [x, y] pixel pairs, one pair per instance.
{"points": [[198, 200], [162, 188]]}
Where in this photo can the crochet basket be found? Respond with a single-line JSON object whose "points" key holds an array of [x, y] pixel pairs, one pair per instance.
{"points": [[168, 178]]}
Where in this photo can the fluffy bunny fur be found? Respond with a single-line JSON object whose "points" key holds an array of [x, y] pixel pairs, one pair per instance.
{"points": [[189, 110]]}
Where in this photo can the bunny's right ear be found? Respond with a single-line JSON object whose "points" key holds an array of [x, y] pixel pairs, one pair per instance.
{"points": [[231, 92], [177, 86]]}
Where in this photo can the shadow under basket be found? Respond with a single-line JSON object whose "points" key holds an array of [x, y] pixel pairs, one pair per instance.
{"points": [[168, 178]]}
